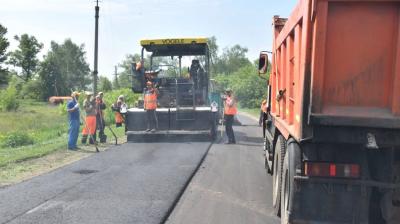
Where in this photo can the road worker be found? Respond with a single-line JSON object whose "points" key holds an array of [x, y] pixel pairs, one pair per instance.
{"points": [[263, 112], [230, 111], [150, 105], [263, 115], [100, 122], [74, 122], [120, 109], [89, 105]]}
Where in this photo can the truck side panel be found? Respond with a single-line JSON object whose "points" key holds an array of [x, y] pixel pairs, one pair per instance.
{"points": [[289, 71]]}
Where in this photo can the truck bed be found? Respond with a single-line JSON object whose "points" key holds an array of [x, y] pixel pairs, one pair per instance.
{"points": [[337, 63]]}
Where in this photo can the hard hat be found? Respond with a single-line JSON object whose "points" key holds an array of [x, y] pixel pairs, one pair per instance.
{"points": [[100, 93], [228, 90], [88, 93], [121, 97]]}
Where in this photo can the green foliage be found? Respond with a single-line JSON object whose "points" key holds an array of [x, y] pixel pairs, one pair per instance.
{"points": [[16, 139], [213, 49], [64, 68], [32, 89], [4, 44], [25, 57], [105, 84], [112, 97], [62, 108], [124, 77], [248, 88], [8, 100], [231, 60]]}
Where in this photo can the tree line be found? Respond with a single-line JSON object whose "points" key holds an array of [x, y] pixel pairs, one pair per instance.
{"points": [[64, 68]]}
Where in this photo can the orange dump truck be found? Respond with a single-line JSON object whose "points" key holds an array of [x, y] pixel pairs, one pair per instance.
{"points": [[332, 141]]}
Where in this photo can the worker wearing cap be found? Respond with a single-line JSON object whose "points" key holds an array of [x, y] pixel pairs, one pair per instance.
{"points": [[120, 109], [89, 105], [150, 105], [100, 122], [74, 122], [230, 111]]}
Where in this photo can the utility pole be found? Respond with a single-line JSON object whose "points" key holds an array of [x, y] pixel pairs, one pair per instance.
{"points": [[116, 77], [96, 43]]}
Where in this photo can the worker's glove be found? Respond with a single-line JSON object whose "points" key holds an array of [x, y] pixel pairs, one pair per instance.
{"points": [[76, 106]]}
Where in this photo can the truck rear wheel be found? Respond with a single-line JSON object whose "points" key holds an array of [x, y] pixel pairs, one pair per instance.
{"points": [[291, 163], [285, 192], [279, 155]]}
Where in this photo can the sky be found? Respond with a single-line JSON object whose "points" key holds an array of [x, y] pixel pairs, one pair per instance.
{"points": [[123, 23]]}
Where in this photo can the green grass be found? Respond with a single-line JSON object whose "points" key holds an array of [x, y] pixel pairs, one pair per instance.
{"points": [[41, 122]]}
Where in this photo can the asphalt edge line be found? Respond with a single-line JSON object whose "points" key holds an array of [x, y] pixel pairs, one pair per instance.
{"points": [[185, 186]]}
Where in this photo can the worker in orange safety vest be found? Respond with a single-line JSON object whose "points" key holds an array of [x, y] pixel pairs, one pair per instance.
{"points": [[89, 105], [150, 106], [230, 111], [119, 108]]}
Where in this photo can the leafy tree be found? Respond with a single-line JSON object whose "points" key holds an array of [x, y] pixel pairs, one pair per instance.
{"points": [[25, 57], [124, 77], [213, 48], [63, 69], [231, 60], [105, 84], [3, 56]]}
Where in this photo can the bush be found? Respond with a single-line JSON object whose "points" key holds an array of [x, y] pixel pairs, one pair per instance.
{"points": [[32, 89], [16, 139], [8, 99]]}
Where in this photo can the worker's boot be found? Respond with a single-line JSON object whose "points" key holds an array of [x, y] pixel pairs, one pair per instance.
{"points": [[103, 137], [92, 140], [84, 139]]}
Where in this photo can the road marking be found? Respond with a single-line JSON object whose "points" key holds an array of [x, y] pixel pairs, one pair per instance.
{"points": [[45, 206]]}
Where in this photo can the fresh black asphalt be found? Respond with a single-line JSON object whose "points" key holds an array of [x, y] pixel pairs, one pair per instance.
{"points": [[131, 183], [232, 186]]}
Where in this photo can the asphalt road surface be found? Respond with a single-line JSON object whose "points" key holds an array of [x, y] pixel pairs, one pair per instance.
{"points": [[132, 183], [231, 186], [141, 182]]}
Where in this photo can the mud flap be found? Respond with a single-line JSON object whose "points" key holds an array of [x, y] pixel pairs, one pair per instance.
{"points": [[390, 202]]}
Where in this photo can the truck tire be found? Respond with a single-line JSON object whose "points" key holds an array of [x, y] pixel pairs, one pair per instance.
{"points": [[291, 163], [285, 191], [279, 154], [267, 162]]}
